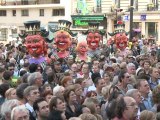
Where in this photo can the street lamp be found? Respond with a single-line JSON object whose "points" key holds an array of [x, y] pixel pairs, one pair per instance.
{"points": [[131, 20]]}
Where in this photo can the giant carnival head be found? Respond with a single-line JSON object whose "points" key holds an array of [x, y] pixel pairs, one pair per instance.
{"points": [[120, 36], [34, 38], [82, 46], [94, 35], [63, 35]]}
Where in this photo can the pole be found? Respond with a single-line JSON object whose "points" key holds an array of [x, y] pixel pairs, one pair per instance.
{"points": [[131, 20]]}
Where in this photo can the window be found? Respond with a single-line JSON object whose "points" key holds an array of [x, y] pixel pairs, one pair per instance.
{"points": [[14, 12], [3, 13], [55, 1], [116, 3], [41, 12], [25, 13], [58, 12], [24, 2], [3, 34], [135, 4]]}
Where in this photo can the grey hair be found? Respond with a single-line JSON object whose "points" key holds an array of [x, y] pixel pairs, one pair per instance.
{"points": [[19, 108], [57, 89], [8, 105], [32, 77], [28, 90], [131, 92], [130, 65]]}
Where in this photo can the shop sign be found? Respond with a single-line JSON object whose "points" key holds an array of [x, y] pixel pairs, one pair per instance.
{"points": [[83, 20]]}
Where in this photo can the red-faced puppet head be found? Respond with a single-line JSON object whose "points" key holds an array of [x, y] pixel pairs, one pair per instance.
{"points": [[121, 41], [63, 35], [34, 38], [36, 45], [63, 40], [94, 36], [120, 35]]}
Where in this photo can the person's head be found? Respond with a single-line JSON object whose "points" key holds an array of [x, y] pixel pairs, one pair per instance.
{"points": [[46, 88], [47, 96], [11, 68], [155, 94], [7, 77], [131, 68], [20, 90], [91, 94], [105, 91], [143, 86], [11, 94], [33, 67], [140, 71], [95, 62], [20, 113], [85, 68], [85, 109], [127, 108], [67, 80], [99, 83], [3, 88], [146, 64], [48, 69], [86, 116], [134, 93], [154, 73], [70, 96], [35, 79], [96, 69], [58, 91], [74, 67], [57, 115], [31, 93], [114, 93], [57, 103], [106, 78], [147, 115], [57, 66], [92, 104], [41, 108], [78, 89], [124, 77], [7, 107]]}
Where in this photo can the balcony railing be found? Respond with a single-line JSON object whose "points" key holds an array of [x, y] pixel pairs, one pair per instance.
{"points": [[97, 9], [27, 2], [152, 7]]}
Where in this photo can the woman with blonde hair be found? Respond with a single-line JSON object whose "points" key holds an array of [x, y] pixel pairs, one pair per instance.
{"points": [[11, 94], [147, 115]]}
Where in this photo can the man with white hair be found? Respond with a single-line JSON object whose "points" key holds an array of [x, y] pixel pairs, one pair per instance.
{"points": [[7, 107], [58, 91], [134, 93], [20, 113], [131, 68]]}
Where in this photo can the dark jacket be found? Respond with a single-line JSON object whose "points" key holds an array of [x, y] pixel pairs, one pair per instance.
{"points": [[69, 113]]}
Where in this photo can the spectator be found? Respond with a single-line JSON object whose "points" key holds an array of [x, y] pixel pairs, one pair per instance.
{"points": [[147, 115], [41, 108], [19, 113], [10, 94]]}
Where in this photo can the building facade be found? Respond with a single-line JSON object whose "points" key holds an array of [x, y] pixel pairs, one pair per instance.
{"points": [[13, 13]]}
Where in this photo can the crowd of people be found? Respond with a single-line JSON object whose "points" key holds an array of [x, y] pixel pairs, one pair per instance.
{"points": [[110, 85]]}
